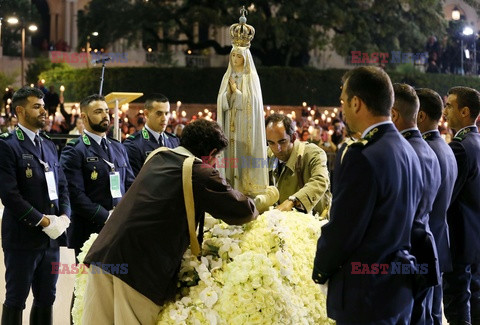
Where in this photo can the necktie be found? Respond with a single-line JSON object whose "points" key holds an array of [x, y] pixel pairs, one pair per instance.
{"points": [[160, 140], [105, 148], [280, 167], [38, 144]]}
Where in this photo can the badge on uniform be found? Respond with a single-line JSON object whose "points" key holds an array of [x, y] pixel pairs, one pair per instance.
{"points": [[94, 175], [28, 172]]}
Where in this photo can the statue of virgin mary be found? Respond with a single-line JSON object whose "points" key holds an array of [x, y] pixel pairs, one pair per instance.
{"points": [[241, 115]]}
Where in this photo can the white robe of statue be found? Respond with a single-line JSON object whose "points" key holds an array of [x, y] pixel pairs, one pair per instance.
{"points": [[240, 114]]}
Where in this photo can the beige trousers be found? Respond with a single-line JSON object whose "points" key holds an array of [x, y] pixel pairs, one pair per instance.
{"points": [[109, 300]]}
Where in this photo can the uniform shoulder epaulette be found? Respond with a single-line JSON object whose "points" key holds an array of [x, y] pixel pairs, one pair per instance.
{"points": [[134, 135], [5, 135], [170, 134], [353, 144], [43, 134], [462, 134], [73, 142], [359, 143]]}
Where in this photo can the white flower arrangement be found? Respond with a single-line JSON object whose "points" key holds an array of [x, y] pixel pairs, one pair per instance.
{"points": [[259, 273]]}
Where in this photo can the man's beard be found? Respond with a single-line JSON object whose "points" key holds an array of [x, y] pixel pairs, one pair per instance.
{"points": [[36, 122], [98, 127]]}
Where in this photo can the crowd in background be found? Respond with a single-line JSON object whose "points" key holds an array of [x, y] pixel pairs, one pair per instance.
{"points": [[311, 126]]}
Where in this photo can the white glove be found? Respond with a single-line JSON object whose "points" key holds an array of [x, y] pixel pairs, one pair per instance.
{"points": [[64, 220], [324, 288], [267, 199], [57, 226]]}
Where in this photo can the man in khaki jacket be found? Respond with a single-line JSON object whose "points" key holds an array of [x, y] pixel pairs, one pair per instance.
{"points": [[299, 169]]}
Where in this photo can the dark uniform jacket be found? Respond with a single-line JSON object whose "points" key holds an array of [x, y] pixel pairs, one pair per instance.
{"points": [[140, 144], [88, 178], [463, 216], [148, 230], [376, 192], [423, 242], [23, 190], [438, 216]]}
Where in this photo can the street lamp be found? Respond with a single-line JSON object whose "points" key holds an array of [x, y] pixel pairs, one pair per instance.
{"points": [[467, 31], [32, 28], [88, 47], [455, 13]]}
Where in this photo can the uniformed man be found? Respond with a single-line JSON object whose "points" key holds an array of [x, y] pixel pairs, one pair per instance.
{"points": [[376, 192], [461, 287], [97, 171], [404, 116], [153, 135], [34, 192], [299, 169], [429, 115]]}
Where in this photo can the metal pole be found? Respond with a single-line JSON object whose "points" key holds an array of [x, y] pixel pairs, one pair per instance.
{"points": [[461, 57], [23, 57], [101, 77], [88, 52], [116, 127], [1, 46], [475, 71]]}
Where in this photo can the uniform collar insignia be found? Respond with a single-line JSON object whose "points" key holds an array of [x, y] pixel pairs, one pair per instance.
{"points": [[407, 135], [85, 139], [145, 134], [464, 131], [19, 134], [427, 136], [370, 134]]}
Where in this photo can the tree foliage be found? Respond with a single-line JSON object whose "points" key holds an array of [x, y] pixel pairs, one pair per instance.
{"points": [[286, 30], [11, 34]]}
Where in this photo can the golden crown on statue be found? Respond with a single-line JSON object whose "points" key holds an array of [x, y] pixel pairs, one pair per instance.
{"points": [[242, 33]]}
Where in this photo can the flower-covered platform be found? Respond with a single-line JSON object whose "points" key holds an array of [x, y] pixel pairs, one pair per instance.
{"points": [[259, 273]]}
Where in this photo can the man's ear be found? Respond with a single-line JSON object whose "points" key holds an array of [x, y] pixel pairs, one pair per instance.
{"points": [[356, 103], [213, 152], [293, 137], [19, 110], [421, 116], [394, 115], [465, 112]]}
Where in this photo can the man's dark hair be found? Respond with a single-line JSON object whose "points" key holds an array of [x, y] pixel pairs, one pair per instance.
{"points": [[20, 97], [285, 120], [87, 100], [406, 101], [201, 137], [431, 103], [467, 97], [156, 97], [373, 86]]}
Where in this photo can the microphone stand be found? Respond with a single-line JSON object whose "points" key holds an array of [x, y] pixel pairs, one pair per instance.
{"points": [[102, 76]]}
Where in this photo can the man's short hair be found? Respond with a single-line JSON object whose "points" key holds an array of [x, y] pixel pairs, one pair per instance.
{"points": [[406, 101], [467, 97], [276, 118], [373, 86], [431, 103], [200, 137], [20, 97], [87, 100], [156, 97]]}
